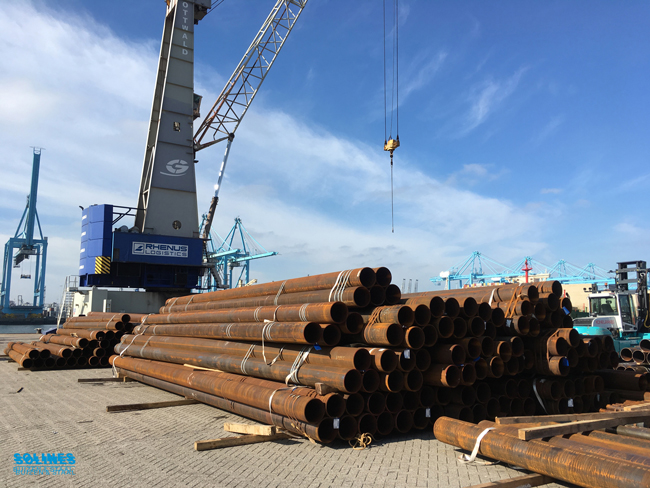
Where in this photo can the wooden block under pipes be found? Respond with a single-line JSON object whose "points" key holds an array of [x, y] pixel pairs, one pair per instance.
{"points": [[518, 482], [571, 417], [540, 432], [250, 429], [237, 441], [200, 368], [323, 389], [105, 380], [148, 406]]}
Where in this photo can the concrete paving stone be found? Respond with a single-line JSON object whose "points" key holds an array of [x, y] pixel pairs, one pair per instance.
{"points": [[156, 447]]}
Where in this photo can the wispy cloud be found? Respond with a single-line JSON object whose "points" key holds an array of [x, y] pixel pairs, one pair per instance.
{"points": [[546, 191], [421, 72], [486, 97], [548, 130], [472, 174]]}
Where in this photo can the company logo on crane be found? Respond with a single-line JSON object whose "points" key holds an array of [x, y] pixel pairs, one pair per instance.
{"points": [[162, 250], [176, 167]]}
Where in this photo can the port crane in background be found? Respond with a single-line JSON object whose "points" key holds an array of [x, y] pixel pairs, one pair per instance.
{"points": [[165, 251], [22, 247]]}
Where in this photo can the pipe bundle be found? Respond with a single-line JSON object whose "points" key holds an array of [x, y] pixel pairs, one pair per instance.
{"points": [[85, 341]]}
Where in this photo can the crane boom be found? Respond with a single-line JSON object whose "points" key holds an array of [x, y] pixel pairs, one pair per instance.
{"points": [[240, 90]]}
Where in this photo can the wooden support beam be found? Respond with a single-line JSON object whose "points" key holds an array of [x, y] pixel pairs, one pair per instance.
{"points": [[148, 406], [104, 380], [518, 482], [250, 429], [237, 441], [542, 431], [323, 389], [562, 417]]}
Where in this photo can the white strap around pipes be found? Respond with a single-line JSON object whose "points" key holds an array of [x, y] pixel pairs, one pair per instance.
{"points": [[246, 357], [273, 394], [464, 458], [266, 333], [343, 279], [302, 313], [275, 302], [295, 367], [129, 345], [539, 399]]}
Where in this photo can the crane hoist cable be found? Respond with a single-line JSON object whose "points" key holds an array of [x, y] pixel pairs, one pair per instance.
{"points": [[391, 144]]}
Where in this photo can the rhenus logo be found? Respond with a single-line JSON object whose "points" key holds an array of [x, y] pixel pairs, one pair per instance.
{"points": [[163, 250]]}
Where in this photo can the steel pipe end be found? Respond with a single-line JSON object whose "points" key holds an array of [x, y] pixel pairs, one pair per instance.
{"points": [[403, 421], [354, 404], [394, 402], [413, 380], [385, 423], [376, 296], [353, 323], [367, 424], [422, 359], [331, 334], [430, 335], [452, 307], [370, 381], [481, 368], [414, 337], [445, 327], [437, 307], [393, 294]]}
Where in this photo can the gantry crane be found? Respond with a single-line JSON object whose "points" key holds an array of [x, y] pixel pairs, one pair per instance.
{"points": [[165, 249]]}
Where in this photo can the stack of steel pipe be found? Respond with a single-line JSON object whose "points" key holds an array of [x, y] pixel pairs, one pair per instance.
{"points": [[399, 362], [636, 358], [594, 459], [81, 342]]}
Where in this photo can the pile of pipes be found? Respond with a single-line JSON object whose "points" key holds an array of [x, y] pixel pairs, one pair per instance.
{"points": [[593, 458], [81, 342], [636, 358], [376, 361]]}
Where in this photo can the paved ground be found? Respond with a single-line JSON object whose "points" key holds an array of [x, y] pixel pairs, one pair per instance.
{"points": [[53, 413]]}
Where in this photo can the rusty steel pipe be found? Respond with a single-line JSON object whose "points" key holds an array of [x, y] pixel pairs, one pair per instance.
{"points": [[377, 297], [285, 332], [87, 334], [403, 421], [279, 400], [460, 328], [393, 295], [375, 403], [345, 380], [467, 374], [413, 380], [391, 382], [357, 277], [442, 375], [352, 297], [463, 395], [411, 399], [475, 326], [405, 360], [93, 326], [427, 396], [394, 402], [420, 419], [482, 392], [348, 428], [490, 330], [23, 360], [383, 334], [369, 381], [330, 335], [385, 423], [421, 314], [367, 424], [413, 338], [583, 469], [354, 404], [383, 360], [461, 412], [399, 314], [444, 326], [623, 380], [550, 300], [323, 313], [323, 432], [26, 350], [503, 349], [487, 346], [346, 357], [78, 342], [430, 335], [435, 304], [422, 359], [383, 276], [481, 367], [353, 323], [471, 346], [448, 354], [496, 367]]}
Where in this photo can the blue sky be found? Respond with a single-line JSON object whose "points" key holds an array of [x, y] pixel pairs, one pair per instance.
{"points": [[524, 127]]}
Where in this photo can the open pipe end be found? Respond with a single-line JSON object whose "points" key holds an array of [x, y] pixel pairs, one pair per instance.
{"points": [[352, 381], [383, 276], [370, 381], [483, 392], [427, 396], [376, 403], [393, 381], [362, 297], [393, 294], [460, 328], [445, 327], [492, 408], [485, 311], [313, 333], [413, 380], [517, 346], [60, 362], [437, 307], [395, 334], [375, 296], [470, 306], [421, 314], [430, 335], [473, 348], [314, 411], [403, 421], [367, 424], [452, 307], [476, 326], [534, 327], [394, 402], [414, 337], [334, 405], [496, 367], [458, 355], [348, 428], [362, 359], [338, 312], [498, 317], [481, 367], [367, 277], [487, 346], [325, 432], [354, 404], [331, 335], [479, 412], [385, 423], [353, 323], [468, 374], [420, 419], [422, 359]]}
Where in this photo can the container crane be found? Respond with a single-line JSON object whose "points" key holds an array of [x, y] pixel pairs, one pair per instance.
{"points": [[22, 247], [165, 250]]}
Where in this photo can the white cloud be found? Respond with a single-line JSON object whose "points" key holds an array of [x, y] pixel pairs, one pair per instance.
{"points": [[320, 200], [486, 97]]}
